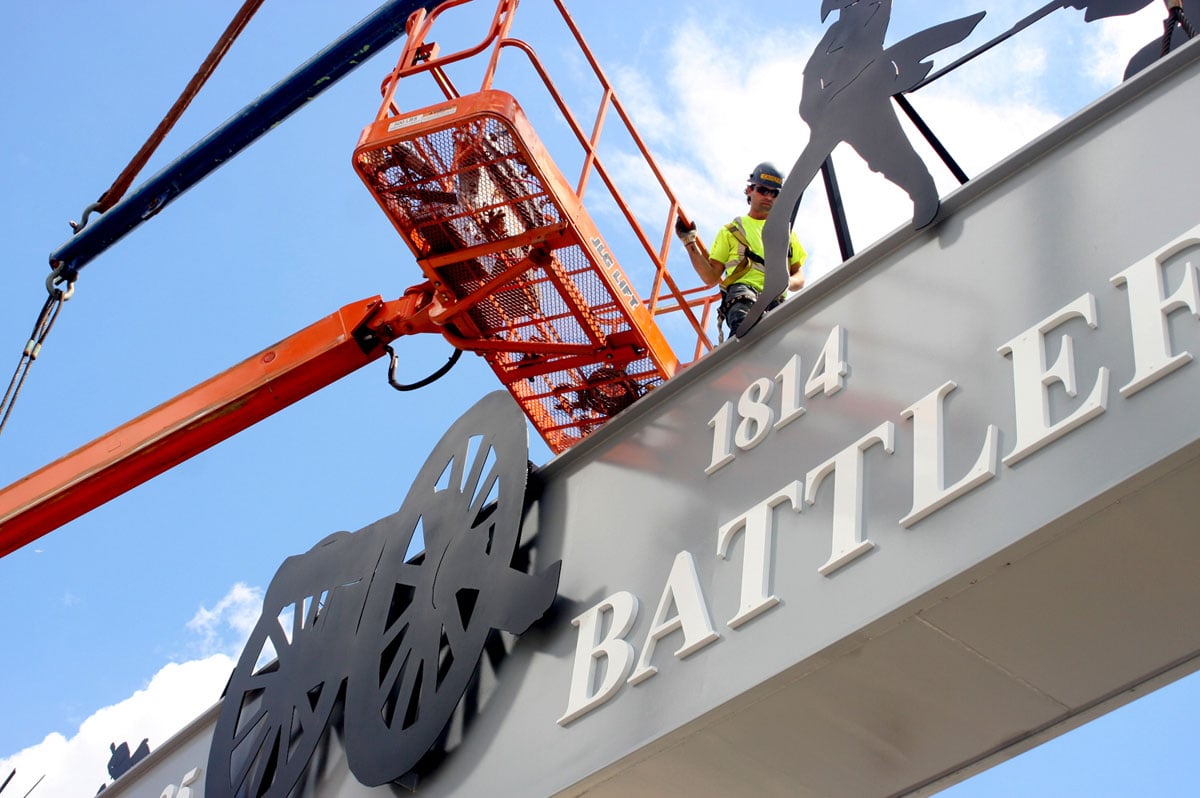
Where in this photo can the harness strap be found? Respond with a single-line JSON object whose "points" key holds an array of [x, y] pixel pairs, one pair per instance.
{"points": [[749, 258]]}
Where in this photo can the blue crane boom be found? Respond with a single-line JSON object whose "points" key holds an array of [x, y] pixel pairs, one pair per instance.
{"points": [[372, 34]]}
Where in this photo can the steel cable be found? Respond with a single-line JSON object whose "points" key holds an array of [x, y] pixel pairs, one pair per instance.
{"points": [[45, 322]]}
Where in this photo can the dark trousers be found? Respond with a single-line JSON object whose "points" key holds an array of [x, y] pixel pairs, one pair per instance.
{"points": [[737, 302]]}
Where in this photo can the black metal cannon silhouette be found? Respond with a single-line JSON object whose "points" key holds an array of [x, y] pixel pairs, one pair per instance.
{"points": [[401, 634]]}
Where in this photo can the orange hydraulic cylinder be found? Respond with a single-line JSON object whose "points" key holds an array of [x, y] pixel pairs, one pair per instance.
{"points": [[203, 416]]}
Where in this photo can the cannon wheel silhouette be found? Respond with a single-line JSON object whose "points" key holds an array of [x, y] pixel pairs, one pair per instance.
{"points": [[403, 634], [286, 682]]}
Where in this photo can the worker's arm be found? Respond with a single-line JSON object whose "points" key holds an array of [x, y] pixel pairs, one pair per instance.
{"points": [[796, 266], [709, 270], [796, 280]]}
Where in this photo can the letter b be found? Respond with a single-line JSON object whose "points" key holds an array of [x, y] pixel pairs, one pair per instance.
{"points": [[591, 648]]}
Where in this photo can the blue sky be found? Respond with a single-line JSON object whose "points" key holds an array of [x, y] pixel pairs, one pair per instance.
{"points": [[154, 590]]}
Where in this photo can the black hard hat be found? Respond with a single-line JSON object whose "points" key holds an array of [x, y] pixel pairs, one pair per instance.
{"points": [[767, 176]]}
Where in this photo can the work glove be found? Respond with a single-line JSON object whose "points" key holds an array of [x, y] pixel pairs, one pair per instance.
{"points": [[685, 230]]}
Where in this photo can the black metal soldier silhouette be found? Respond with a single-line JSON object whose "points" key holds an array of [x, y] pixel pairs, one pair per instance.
{"points": [[848, 85], [1177, 31], [1093, 10]]}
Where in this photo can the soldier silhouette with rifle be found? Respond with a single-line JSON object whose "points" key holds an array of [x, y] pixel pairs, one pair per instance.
{"points": [[847, 89], [849, 83]]}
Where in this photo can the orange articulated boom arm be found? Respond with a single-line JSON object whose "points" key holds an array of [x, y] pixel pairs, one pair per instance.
{"points": [[207, 414]]}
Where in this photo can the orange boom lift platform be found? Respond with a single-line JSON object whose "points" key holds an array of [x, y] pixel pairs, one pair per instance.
{"points": [[515, 269], [519, 271]]}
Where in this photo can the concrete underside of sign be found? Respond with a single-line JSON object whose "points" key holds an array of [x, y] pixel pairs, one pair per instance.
{"points": [[876, 579]]}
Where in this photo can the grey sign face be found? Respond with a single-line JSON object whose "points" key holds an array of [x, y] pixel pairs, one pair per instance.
{"points": [[402, 633], [759, 523], [774, 564]]}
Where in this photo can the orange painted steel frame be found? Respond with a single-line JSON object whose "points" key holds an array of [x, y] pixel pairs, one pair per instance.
{"points": [[308, 360], [420, 57], [469, 186], [205, 415], [580, 230], [482, 205]]}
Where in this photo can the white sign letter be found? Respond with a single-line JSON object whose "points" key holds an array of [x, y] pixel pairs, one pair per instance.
{"points": [[722, 427], [829, 372], [759, 524], [590, 648], [1149, 309], [683, 591], [757, 415], [1031, 379], [929, 476], [185, 786], [848, 542]]}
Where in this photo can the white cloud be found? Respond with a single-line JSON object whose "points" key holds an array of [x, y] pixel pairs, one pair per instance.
{"points": [[1027, 61], [77, 766], [711, 118], [176, 695], [227, 625], [1118, 39]]}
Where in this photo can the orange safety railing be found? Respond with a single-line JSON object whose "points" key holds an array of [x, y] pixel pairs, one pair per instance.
{"points": [[520, 272], [419, 56]]}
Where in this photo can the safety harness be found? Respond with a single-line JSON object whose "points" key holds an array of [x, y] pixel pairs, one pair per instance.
{"points": [[747, 259]]}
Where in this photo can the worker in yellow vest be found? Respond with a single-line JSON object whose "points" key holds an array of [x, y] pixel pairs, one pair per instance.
{"points": [[735, 259]]}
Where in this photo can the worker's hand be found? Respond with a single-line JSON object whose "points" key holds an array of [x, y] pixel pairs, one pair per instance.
{"points": [[685, 231]]}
